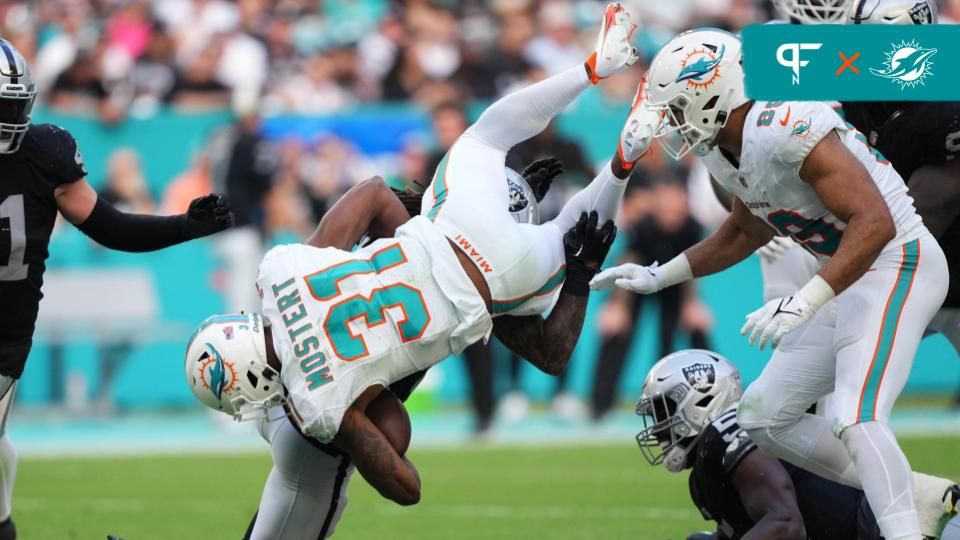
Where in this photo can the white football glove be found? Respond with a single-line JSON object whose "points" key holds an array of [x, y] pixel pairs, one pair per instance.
{"points": [[632, 277], [774, 249], [776, 319]]}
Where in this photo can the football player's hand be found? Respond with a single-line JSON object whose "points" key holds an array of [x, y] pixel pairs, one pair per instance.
{"points": [[208, 215], [540, 175], [632, 277], [776, 319], [587, 245], [775, 248]]}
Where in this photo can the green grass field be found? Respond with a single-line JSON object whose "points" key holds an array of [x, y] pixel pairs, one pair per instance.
{"points": [[582, 492]]}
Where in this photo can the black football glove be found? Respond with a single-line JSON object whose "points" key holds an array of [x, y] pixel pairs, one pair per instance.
{"points": [[540, 174], [586, 247], [207, 215]]}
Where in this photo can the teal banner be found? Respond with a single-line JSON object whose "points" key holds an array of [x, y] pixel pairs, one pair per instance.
{"points": [[877, 62]]}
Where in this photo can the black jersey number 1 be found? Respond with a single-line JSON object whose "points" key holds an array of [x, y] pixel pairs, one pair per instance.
{"points": [[11, 211]]}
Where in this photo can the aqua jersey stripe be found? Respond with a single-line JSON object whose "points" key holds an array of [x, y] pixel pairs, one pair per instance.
{"points": [[503, 306], [439, 188], [888, 332]]}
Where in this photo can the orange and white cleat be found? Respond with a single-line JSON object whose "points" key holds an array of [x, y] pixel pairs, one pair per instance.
{"points": [[639, 131], [613, 53]]}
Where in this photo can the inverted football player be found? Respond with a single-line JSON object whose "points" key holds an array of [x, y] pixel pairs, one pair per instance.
{"points": [[43, 175], [306, 491], [344, 325], [688, 405], [855, 326]]}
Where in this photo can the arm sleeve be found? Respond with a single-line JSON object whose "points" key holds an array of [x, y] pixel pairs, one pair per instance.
{"points": [[604, 194], [114, 229], [522, 114]]}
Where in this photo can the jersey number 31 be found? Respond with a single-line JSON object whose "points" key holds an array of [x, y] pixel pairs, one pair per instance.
{"points": [[371, 309]]}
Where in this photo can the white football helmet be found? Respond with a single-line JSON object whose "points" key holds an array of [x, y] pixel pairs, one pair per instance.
{"points": [[814, 11], [227, 369], [17, 94], [682, 394], [523, 202], [694, 82], [892, 12]]}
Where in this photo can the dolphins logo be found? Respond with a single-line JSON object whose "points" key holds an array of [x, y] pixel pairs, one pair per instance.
{"points": [[907, 64], [218, 373], [696, 72]]}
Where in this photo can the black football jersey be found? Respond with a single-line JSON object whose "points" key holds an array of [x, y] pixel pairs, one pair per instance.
{"points": [[909, 134], [830, 511], [48, 158], [912, 135], [719, 451]]}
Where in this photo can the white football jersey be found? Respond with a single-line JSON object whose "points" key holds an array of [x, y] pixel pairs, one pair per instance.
{"points": [[777, 137], [344, 321]]}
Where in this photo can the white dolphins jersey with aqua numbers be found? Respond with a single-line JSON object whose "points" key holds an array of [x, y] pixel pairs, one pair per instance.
{"points": [[344, 321], [777, 137]]}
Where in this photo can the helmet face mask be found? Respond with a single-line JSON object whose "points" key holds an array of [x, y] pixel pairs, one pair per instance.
{"points": [[682, 394], [665, 432], [17, 94], [814, 11], [676, 136]]}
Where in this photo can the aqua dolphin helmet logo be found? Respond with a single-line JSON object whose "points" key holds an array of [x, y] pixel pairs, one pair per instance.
{"points": [[907, 64], [219, 373], [700, 67]]}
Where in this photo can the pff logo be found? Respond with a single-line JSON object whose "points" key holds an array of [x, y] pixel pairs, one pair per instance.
{"points": [[794, 62]]}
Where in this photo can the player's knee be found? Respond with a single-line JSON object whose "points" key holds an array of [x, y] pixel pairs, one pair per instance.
{"points": [[754, 410]]}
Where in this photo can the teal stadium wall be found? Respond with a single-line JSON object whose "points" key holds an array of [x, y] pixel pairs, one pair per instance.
{"points": [[186, 276]]}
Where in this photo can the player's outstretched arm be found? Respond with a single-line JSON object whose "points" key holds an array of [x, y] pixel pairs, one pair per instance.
{"points": [[96, 218], [548, 343], [392, 475], [737, 237], [767, 493], [545, 343], [368, 208]]}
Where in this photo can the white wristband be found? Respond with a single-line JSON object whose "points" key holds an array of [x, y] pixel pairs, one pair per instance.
{"points": [[816, 292], [676, 270]]}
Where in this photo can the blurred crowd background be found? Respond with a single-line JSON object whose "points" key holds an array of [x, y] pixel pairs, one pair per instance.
{"points": [[286, 104]]}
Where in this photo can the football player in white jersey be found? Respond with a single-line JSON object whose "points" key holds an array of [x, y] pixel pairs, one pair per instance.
{"points": [[306, 491], [339, 326], [919, 138], [795, 169]]}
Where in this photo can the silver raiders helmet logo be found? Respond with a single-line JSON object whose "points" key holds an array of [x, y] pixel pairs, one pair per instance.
{"points": [[518, 199], [701, 377]]}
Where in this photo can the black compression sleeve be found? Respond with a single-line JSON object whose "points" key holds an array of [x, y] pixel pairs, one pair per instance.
{"points": [[132, 232]]}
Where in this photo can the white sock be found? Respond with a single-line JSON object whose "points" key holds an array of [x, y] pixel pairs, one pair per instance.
{"points": [[8, 473], [886, 477], [520, 115], [604, 194]]}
